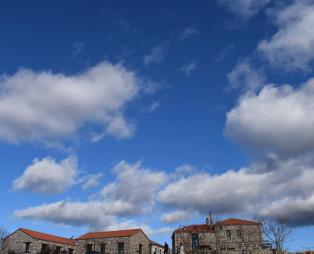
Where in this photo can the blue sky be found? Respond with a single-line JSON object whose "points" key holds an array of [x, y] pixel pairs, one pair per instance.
{"points": [[117, 114]]}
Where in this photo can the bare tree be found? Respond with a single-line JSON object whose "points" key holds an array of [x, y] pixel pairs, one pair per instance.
{"points": [[276, 232], [3, 234]]}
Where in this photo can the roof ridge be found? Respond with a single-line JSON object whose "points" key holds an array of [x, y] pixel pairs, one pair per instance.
{"points": [[111, 233], [113, 230], [47, 237], [27, 229]]}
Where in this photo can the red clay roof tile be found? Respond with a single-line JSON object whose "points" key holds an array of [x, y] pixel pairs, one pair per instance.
{"points": [[108, 234], [200, 228], [48, 237], [233, 221]]}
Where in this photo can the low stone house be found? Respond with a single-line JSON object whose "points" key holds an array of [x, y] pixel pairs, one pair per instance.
{"points": [[156, 248], [231, 236], [33, 242], [131, 241]]}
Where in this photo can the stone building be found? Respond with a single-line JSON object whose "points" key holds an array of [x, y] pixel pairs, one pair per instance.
{"points": [[131, 241], [232, 236], [156, 248], [33, 242]]}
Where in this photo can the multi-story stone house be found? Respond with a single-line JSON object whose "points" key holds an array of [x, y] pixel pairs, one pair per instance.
{"points": [[232, 236], [131, 241], [28, 241]]}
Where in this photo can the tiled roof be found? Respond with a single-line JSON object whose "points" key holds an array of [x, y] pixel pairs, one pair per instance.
{"points": [[200, 228], [108, 234], [47, 237], [156, 244], [233, 221]]}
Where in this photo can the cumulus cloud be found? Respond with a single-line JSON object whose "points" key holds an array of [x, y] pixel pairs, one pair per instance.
{"points": [[245, 8], [45, 106], [245, 77], [188, 33], [91, 181], [156, 55], [132, 193], [175, 216], [276, 120], [291, 46], [134, 184], [48, 176], [265, 188], [94, 214]]}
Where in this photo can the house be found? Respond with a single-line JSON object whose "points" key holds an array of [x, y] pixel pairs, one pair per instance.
{"points": [[131, 241], [232, 236], [29, 241], [156, 248]]}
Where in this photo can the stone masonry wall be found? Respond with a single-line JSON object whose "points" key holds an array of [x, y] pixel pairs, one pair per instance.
{"points": [[136, 240], [111, 245], [131, 244], [16, 242], [249, 241], [217, 242]]}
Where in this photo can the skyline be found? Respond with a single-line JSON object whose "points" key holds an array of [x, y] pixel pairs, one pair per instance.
{"points": [[118, 115]]}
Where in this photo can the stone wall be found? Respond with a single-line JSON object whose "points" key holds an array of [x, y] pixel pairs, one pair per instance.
{"points": [[156, 249], [111, 245], [17, 242], [249, 241], [136, 240], [131, 244], [217, 241]]}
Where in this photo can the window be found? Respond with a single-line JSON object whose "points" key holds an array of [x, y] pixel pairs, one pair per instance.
{"points": [[89, 247], [44, 248], [58, 250], [228, 232], [239, 235], [70, 251], [103, 248], [194, 241], [27, 247], [140, 247], [120, 248]]}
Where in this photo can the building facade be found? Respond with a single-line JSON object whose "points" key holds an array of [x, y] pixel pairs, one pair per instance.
{"points": [[33, 242], [156, 248], [132, 241], [232, 236]]}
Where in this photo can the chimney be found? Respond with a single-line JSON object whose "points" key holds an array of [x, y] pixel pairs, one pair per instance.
{"points": [[207, 221], [210, 218]]}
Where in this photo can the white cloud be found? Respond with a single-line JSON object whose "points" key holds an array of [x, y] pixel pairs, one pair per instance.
{"points": [[277, 119], [91, 181], [188, 68], [45, 107], [151, 108], [188, 33], [95, 214], [134, 184], [245, 8], [156, 55], [48, 176], [265, 188], [131, 194], [184, 169], [175, 216], [245, 77], [292, 46]]}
